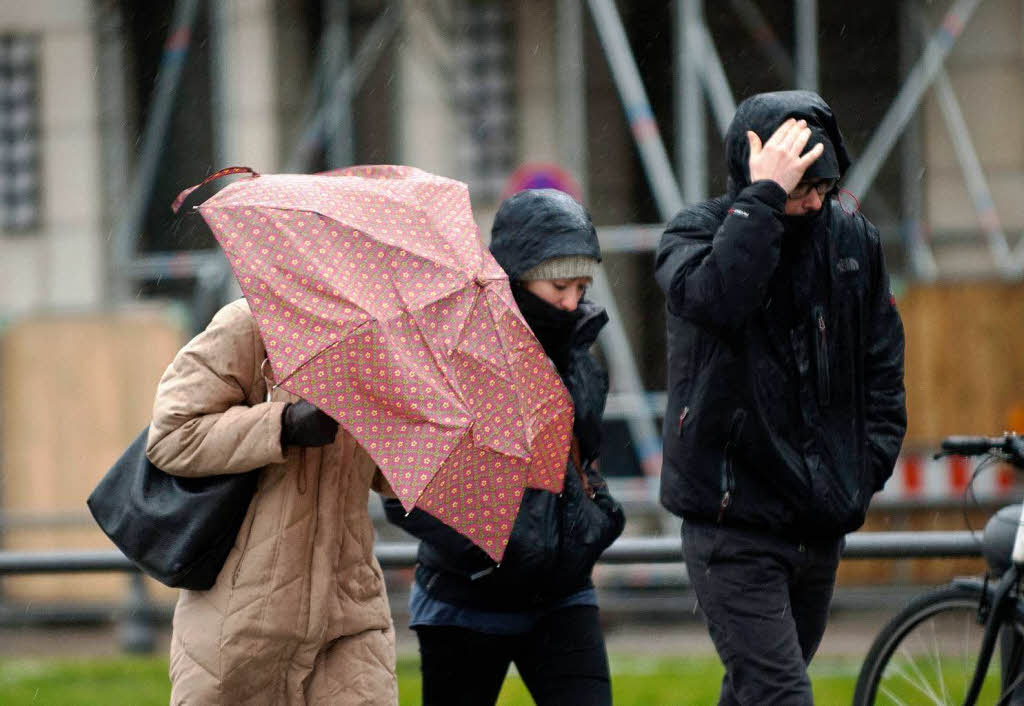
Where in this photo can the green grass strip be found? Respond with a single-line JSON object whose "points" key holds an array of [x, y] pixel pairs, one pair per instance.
{"points": [[636, 681]]}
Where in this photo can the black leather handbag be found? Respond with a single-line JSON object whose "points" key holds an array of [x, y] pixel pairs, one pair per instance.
{"points": [[177, 530]]}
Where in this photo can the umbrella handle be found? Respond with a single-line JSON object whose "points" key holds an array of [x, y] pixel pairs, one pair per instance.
{"points": [[216, 175]]}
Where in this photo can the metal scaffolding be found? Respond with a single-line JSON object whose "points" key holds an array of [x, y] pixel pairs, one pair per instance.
{"points": [[697, 65], [700, 84], [701, 91]]}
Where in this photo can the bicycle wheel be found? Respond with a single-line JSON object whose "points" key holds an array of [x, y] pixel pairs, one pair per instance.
{"points": [[927, 654]]}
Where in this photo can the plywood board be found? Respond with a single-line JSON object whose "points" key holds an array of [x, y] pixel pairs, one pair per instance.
{"points": [[74, 391]]}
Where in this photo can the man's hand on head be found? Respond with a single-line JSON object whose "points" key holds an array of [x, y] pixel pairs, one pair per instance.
{"points": [[778, 159]]}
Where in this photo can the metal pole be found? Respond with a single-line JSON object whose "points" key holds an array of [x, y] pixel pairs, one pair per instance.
{"points": [[347, 82], [723, 105], [974, 176], [211, 288], [807, 44], [301, 155], [615, 342], [626, 378], [137, 633], [224, 147], [338, 120], [691, 128], [214, 286], [970, 164], [638, 108], [762, 33], [918, 80], [113, 116], [572, 101], [155, 134], [920, 259]]}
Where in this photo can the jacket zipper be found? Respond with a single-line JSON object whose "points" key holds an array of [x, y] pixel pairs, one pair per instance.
{"points": [[728, 484], [821, 363], [579, 508], [728, 481], [560, 501]]}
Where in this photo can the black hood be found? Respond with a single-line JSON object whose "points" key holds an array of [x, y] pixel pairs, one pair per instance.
{"points": [[538, 224], [763, 113]]}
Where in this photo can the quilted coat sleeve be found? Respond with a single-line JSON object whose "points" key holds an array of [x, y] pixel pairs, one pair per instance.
{"points": [[885, 412], [714, 271], [202, 421]]}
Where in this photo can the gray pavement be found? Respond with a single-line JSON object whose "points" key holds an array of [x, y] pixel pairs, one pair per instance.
{"points": [[849, 634]]}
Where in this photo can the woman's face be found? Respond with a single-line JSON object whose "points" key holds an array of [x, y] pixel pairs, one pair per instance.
{"points": [[565, 294]]}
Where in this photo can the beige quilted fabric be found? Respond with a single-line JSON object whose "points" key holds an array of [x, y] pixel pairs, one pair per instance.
{"points": [[299, 613]]}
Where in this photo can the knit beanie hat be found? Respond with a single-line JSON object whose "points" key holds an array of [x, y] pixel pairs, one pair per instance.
{"points": [[537, 225], [566, 267]]}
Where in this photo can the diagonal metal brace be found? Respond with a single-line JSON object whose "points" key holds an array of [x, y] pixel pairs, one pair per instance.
{"points": [[920, 78], [347, 83]]}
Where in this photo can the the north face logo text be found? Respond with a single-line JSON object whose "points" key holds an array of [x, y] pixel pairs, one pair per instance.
{"points": [[848, 264]]}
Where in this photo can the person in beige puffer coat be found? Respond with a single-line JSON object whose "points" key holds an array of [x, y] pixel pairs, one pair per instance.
{"points": [[299, 613]]}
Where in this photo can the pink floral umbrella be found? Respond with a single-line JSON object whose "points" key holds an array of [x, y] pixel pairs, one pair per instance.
{"points": [[379, 304]]}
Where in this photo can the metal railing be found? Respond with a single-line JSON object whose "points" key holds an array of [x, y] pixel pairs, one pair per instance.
{"points": [[627, 550], [139, 616]]}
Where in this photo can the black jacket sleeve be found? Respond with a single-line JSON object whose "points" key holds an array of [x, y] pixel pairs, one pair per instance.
{"points": [[885, 410], [713, 268], [427, 528], [612, 509]]}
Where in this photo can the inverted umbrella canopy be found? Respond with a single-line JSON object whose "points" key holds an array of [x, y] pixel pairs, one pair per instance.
{"points": [[379, 304]]}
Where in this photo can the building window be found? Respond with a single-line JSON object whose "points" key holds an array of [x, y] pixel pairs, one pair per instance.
{"points": [[484, 94], [19, 132]]}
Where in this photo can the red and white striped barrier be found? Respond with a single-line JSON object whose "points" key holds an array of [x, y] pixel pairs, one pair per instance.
{"points": [[919, 477]]}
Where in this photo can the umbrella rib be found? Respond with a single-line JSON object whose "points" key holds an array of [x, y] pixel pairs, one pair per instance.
{"points": [[443, 369], [422, 379], [312, 358], [434, 259], [428, 257], [435, 477], [503, 344]]}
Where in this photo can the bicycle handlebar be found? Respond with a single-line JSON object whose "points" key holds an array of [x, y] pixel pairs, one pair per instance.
{"points": [[1010, 445]]}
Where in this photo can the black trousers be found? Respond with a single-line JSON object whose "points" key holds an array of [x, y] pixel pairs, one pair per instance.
{"points": [[563, 662], [766, 602]]}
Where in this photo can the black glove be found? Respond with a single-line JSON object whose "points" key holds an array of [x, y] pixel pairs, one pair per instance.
{"points": [[302, 424]]}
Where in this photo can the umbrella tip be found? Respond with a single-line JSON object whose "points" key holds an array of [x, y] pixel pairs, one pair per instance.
{"points": [[481, 281]]}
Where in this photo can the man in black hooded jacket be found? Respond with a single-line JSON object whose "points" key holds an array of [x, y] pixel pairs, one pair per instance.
{"points": [[786, 405]]}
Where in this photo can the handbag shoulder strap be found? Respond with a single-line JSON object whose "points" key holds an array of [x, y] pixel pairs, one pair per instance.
{"points": [[264, 367]]}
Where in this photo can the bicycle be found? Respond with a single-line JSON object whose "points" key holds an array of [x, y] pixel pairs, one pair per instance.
{"points": [[940, 648]]}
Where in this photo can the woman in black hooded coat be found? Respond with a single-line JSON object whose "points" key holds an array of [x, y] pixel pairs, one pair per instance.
{"points": [[538, 608]]}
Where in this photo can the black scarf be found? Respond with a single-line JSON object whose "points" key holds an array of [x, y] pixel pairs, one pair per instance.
{"points": [[553, 327]]}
